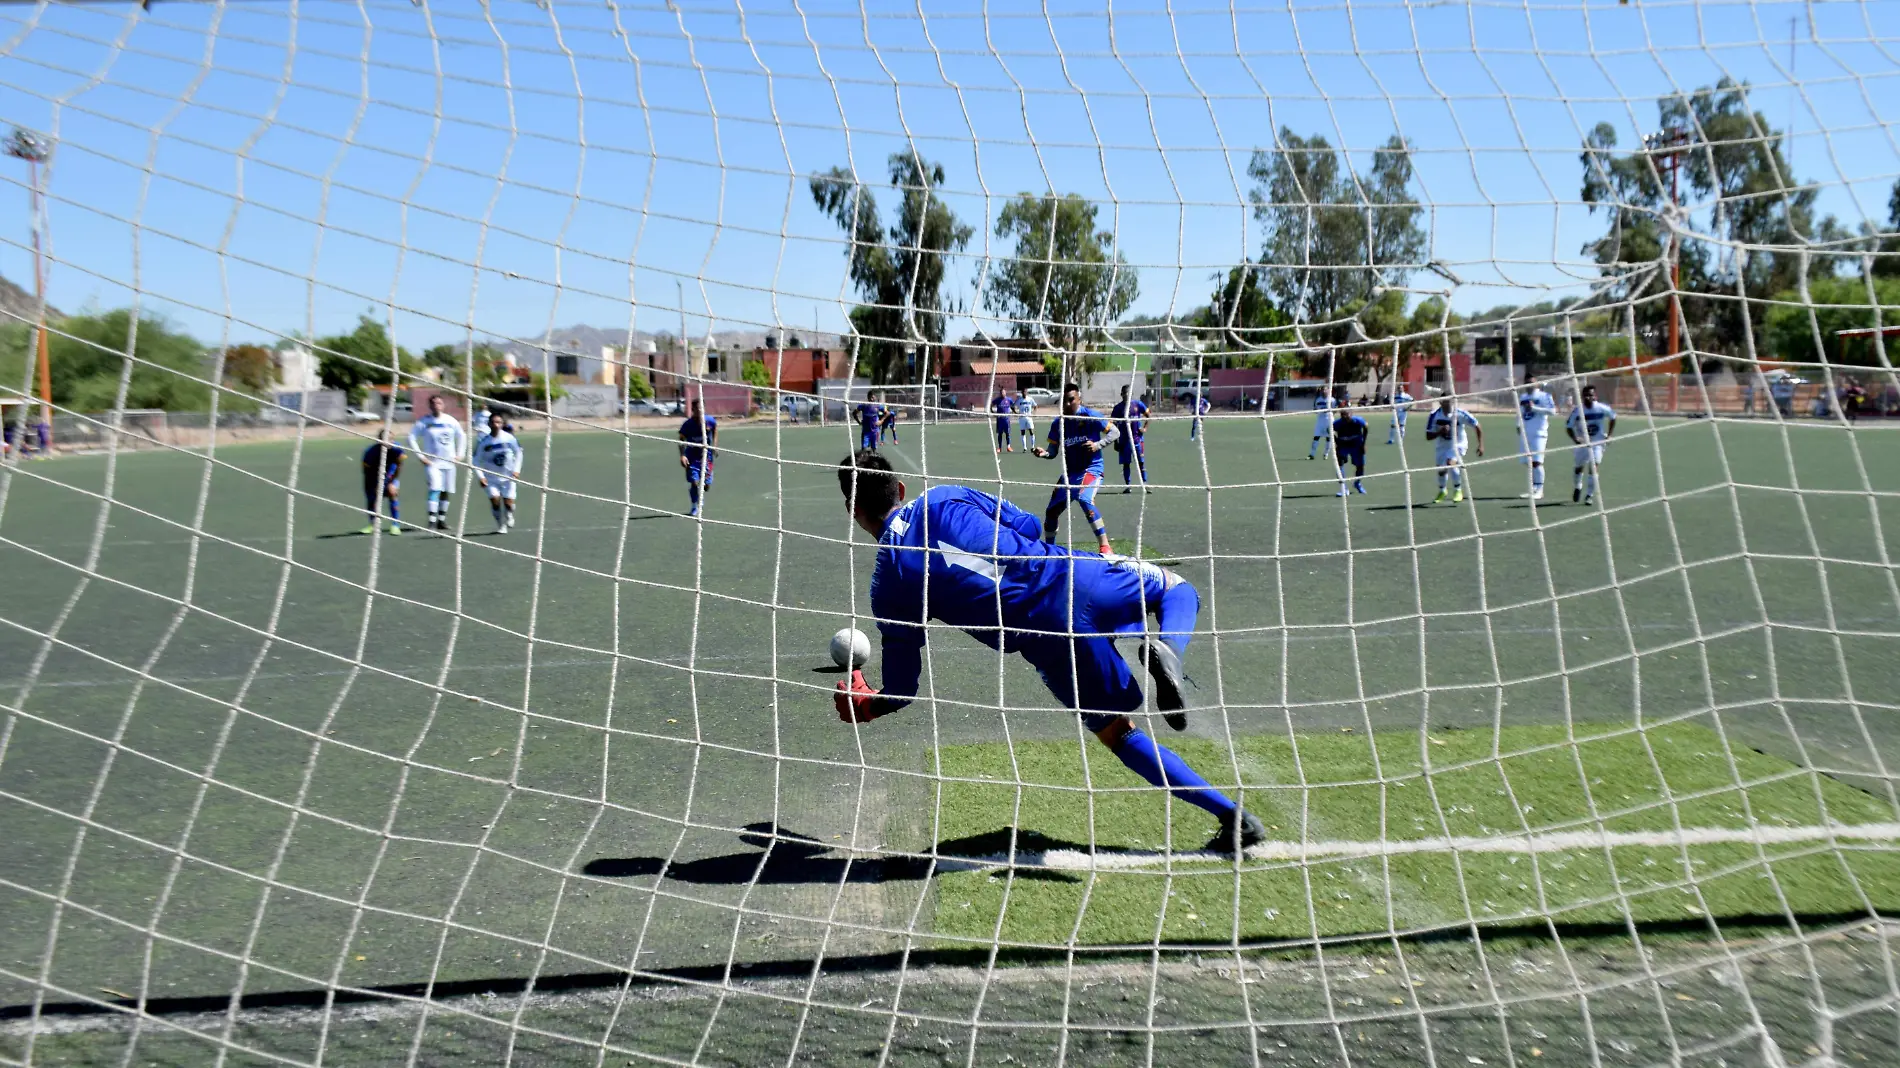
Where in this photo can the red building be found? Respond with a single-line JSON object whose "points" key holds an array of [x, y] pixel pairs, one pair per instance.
{"points": [[798, 370]]}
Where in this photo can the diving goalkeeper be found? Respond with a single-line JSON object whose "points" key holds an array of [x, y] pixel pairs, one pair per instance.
{"points": [[978, 563]]}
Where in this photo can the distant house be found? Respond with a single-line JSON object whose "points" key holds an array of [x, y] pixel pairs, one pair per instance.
{"points": [[796, 368]]}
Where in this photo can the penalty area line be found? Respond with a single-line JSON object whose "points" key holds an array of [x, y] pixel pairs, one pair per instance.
{"points": [[1536, 842]]}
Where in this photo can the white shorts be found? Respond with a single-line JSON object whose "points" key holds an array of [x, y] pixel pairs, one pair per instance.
{"points": [[500, 485], [1533, 445], [441, 477], [1448, 455], [1027, 426], [1322, 425], [1585, 455]]}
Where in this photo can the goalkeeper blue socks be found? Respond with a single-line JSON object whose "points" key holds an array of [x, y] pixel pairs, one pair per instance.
{"points": [[1163, 767]]}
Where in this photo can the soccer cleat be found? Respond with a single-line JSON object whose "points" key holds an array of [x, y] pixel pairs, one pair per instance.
{"points": [[511, 520], [1537, 494], [1237, 833], [1589, 498], [1358, 487], [371, 529], [396, 529], [1126, 491], [1576, 494], [1341, 493], [1458, 495], [1164, 667], [1440, 499]]}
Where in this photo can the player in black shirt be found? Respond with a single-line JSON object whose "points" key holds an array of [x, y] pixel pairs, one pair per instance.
{"points": [[382, 462]]}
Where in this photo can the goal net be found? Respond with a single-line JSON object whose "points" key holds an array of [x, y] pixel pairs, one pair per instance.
{"points": [[1486, 411]]}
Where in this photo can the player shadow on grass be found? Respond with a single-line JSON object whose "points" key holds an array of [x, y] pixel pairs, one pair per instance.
{"points": [[1426, 502], [787, 857]]}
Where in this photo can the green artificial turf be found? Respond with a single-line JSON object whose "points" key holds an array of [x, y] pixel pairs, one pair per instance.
{"points": [[1397, 785]]}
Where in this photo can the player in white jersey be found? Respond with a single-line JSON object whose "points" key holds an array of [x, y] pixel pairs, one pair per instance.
{"points": [[498, 464], [1535, 406], [1590, 425], [1401, 401], [1445, 429], [440, 443], [1322, 425], [1026, 420]]}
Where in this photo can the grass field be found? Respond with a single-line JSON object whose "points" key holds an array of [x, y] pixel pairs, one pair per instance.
{"points": [[246, 751]]}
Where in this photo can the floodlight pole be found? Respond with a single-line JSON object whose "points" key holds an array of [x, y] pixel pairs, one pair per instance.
{"points": [[34, 150]]}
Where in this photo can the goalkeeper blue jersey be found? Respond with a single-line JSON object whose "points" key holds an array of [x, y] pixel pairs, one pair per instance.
{"points": [[975, 562]]}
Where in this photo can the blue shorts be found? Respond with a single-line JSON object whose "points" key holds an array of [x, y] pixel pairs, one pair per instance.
{"points": [[700, 474], [1355, 455], [1130, 449], [1077, 486], [1087, 673]]}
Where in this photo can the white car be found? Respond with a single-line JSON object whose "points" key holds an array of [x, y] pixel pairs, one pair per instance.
{"points": [[1042, 398], [358, 415]]}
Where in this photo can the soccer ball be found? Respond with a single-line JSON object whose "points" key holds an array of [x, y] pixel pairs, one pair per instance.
{"points": [[850, 648]]}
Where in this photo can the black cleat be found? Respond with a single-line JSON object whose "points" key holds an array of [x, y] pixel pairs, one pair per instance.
{"points": [[1175, 720], [1164, 667], [1576, 494], [1237, 833]]}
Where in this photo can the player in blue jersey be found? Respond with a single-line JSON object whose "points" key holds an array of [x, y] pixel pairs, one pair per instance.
{"points": [[1078, 435], [1590, 425], [1131, 429], [973, 561], [870, 416], [382, 463], [699, 435], [887, 425], [1349, 447], [1322, 424], [1004, 411], [1200, 406], [1401, 403]]}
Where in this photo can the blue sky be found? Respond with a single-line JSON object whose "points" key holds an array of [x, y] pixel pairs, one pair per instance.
{"points": [[272, 167]]}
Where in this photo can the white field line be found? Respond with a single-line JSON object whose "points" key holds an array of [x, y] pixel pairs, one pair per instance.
{"points": [[1549, 842]]}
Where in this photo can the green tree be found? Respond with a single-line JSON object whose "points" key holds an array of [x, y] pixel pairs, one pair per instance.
{"points": [[169, 369], [754, 373], [638, 388], [1731, 160], [361, 358], [1240, 309], [1887, 244], [1332, 235], [897, 270], [1064, 281], [1837, 304]]}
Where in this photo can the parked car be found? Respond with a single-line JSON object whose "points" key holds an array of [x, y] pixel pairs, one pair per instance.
{"points": [[1187, 389], [358, 415], [797, 406], [647, 406], [1042, 398]]}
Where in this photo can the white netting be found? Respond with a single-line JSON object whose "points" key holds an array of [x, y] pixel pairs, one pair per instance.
{"points": [[1599, 777]]}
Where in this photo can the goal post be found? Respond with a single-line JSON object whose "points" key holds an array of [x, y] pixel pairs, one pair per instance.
{"points": [[1455, 622]]}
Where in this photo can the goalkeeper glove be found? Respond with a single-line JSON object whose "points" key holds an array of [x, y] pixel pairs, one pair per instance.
{"points": [[855, 700]]}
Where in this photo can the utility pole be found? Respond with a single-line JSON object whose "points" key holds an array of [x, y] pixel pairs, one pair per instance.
{"points": [[1666, 148], [35, 150]]}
